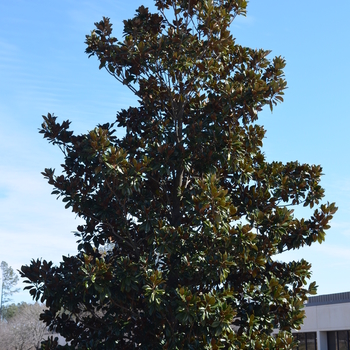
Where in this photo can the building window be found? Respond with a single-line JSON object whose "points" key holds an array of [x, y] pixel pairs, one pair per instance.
{"points": [[306, 341], [311, 341], [338, 340]]}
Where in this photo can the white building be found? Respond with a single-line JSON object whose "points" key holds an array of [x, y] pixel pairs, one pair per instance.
{"points": [[327, 323]]}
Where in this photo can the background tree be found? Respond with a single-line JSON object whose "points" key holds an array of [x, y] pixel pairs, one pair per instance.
{"points": [[11, 310], [194, 212], [9, 279], [22, 329]]}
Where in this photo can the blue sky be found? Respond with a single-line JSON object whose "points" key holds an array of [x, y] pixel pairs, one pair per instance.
{"points": [[43, 68]]}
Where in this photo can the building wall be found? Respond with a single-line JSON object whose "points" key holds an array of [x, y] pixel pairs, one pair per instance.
{"points": [[330, 317], [326, 314]]}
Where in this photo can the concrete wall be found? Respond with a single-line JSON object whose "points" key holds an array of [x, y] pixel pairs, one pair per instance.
{"points": [[331, 317], [323, 318]]}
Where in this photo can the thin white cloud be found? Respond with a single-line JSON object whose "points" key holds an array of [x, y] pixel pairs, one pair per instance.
{"points": [[243, 21], [338, 253], [340, 227], [34, 225]]}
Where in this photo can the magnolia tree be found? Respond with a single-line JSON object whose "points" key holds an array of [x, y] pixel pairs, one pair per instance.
{"points": [[193, 214]]}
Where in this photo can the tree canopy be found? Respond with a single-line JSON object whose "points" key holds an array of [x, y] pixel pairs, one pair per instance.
{"points": [[9, 279], [21, 328], [192, 212]]}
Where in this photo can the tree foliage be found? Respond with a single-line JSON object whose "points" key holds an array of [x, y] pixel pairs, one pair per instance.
{"points": [[22, 329], [9, 279], [193, 212], [11, 310]]}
